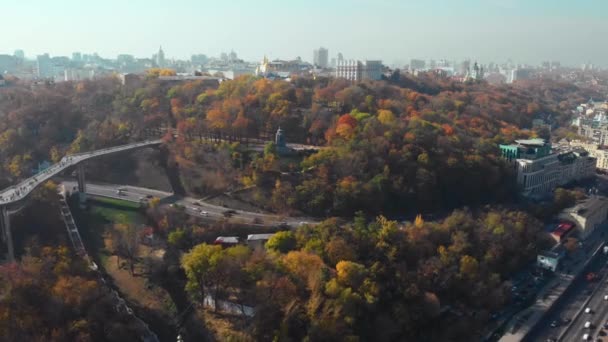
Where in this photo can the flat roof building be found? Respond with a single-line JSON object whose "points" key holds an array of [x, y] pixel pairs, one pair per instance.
{"points": [[540, 169], [257, 241], [587, 214]]}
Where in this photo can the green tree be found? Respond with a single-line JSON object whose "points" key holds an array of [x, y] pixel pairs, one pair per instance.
{"points": [[282, 242], [178, 238], [201, 265]]}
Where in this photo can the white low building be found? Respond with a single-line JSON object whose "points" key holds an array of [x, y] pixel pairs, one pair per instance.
{"points": [[600, 154], [257, 241]]}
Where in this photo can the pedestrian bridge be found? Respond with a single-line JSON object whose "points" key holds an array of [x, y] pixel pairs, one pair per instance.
{"points": [[16, 193], [19, 191]]}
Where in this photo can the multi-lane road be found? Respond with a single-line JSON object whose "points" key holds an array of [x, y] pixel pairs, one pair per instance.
{"points": [[599, 310], [569, 313], [191, 206]]}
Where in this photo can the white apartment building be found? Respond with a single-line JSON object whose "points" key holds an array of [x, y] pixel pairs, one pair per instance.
{"points": [[540, 170], [601, 155], [356, 70]]}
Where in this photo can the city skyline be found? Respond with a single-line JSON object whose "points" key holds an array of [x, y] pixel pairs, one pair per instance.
{"points": [[490, 30]]}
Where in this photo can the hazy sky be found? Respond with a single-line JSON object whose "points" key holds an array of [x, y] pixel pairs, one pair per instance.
{"points": [[571, 31]]}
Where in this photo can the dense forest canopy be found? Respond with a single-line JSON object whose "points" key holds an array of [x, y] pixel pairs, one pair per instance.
{"points": [[405, 144], [391, 148]]}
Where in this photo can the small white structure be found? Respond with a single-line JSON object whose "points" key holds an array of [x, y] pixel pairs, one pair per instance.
{"points": [[226, 240], [548, 260], [257, 241]]}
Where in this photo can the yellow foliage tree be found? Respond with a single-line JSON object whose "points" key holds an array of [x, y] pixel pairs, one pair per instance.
{"points": [[385, 116], [419, 222]]}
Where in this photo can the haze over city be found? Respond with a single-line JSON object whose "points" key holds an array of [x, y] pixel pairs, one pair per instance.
{"points": [[391, 30], [336, 170]]}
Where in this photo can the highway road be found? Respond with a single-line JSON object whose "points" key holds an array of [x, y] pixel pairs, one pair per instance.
{"points": [[22, 189], [599, 310], [572, 302], [191, 206]]}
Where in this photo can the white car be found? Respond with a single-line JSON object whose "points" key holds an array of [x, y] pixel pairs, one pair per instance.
{"points": [[587, 325], [606, 297], [204, 213], [587, 310], [586, 337]]}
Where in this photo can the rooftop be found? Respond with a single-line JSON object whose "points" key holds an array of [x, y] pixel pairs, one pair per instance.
{"points": [[532, 142], [227, 239], [587, 206], [549, 254], [253, 237]]}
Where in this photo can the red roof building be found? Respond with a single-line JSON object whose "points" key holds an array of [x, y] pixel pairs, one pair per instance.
{"points": [[562, 231]]}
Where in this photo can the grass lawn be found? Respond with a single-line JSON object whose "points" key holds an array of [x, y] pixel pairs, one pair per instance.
{"points": [[109, 215], [156, 306]]}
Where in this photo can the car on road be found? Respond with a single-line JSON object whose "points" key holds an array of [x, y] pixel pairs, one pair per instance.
{"points": [[588, 310], [229, 212], [204, 213], [566, 320], [196, 204], [120, 192], [554, 324], [149, 196], [588, 325], [586, 337]]}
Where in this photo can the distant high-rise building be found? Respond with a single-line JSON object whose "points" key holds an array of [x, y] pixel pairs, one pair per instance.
{"points": [[160, 57], [320, 57], [340, 57], [357, 70], [417, 64], [19, 54], [76, 57], [232, 56], [199, 59], [7, 63], [465, 67], [44, 66]]}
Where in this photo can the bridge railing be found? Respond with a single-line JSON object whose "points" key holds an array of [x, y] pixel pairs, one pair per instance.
{"points": [[117, 148]]}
